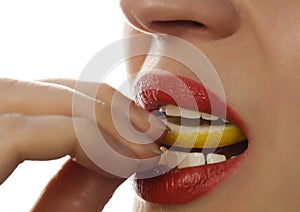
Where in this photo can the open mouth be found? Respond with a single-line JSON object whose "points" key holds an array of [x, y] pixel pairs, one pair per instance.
{"points": [[197, 138], [200, 149]]}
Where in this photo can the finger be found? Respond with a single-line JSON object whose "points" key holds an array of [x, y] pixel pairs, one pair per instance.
{"points": [[92, 89], [52, 137], [35, 98], [116, 99], [29, 98], [56, 96], [101, 91], [109, 95], [76, 188], [31, 138]]}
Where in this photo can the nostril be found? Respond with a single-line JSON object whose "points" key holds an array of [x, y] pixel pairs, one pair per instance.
{"points": [[175, 27], [180, 23]]}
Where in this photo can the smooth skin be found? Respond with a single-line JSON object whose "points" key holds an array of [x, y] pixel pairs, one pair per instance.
{"points": [[255, 48], [34, 127]]}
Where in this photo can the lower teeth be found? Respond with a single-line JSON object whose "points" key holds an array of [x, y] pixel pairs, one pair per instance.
{"points": [[182, 160]]}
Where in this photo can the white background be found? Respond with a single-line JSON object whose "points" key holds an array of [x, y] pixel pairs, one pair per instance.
{"points": [[57, 38]]}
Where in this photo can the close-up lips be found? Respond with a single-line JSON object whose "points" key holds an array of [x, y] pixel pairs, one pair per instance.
{"points": [[201, 149]]}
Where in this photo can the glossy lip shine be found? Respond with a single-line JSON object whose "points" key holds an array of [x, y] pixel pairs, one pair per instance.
{"points": [[179, 186]]}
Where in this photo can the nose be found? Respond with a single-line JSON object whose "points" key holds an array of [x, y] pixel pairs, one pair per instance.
{"points": [[211, 19]]}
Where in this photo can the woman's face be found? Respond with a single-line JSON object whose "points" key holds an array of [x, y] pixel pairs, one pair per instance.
{"points": [[255, 49]]}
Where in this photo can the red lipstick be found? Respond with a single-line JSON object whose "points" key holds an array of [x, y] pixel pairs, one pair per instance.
{"points": [[179, 186]]}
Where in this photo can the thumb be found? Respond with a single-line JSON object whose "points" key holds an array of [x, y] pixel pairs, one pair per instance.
{"points": [[76, 188]]}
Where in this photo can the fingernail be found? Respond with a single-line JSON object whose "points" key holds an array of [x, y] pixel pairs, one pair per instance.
{"points": [[149, 150], [163, 149], [150, 145], [154, 148], [157, 151]]}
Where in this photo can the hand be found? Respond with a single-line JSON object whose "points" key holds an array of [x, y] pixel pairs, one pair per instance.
{"points": [[36, 123]]}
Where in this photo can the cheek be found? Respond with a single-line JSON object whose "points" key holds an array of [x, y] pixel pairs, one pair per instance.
{"points": [[281, 43], [133, 64], [276, 28], [276, 25]]}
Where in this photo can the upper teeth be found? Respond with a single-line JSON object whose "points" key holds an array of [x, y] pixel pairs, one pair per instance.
{"points": [[209, 117], [172, 110]]}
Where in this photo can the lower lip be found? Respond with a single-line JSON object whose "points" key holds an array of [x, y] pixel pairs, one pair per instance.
{"points": [[179, 186]]}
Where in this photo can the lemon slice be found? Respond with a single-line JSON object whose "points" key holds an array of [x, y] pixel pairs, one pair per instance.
{"points": [[212, 137]]}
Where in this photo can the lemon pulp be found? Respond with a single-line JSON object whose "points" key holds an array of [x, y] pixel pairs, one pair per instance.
{"points": [[212, 138]]}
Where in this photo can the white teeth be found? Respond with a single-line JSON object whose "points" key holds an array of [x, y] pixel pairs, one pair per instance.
{"points": [[172, 110], [209, 117], [162, 109], [190, 114], [215, 158], [225, 121], [171, 158], [192, 159]]}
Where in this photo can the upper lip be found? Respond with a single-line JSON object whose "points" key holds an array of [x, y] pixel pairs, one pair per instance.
{"points": [[155, 89]]}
